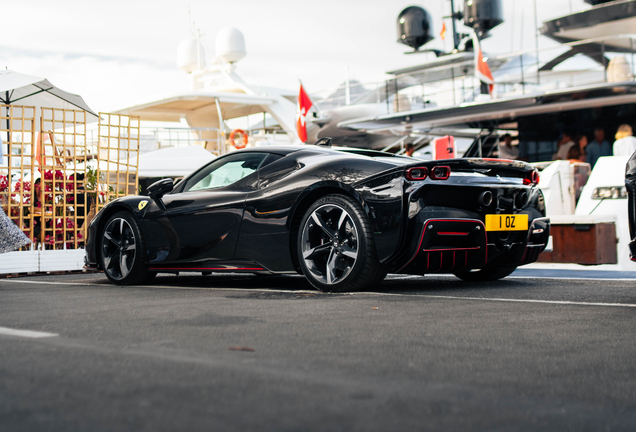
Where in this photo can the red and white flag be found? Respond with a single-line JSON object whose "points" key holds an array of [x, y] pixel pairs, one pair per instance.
{"points": [[482, 71], [304, 104]]}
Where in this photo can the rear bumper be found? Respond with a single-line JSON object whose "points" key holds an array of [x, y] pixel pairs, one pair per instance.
{"points": [[630, 185], [451, 245]]}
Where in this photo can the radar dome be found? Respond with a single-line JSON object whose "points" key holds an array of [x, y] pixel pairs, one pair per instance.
{"points": [[483, 15], [230, 45], [415, 27], [190, 56]]}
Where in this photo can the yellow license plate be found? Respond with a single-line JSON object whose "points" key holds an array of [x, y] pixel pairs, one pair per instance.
{"points": [[507, 222]]}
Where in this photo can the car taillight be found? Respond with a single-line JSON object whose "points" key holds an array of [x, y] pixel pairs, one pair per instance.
{"points": [[531, 178], [440, 172], [415, 174]]}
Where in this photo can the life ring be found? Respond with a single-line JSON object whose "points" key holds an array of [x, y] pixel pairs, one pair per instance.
{"points": [[238, 143]]}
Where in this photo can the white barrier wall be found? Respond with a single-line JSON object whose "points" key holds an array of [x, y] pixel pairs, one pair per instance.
{"points": [[42, 261]]}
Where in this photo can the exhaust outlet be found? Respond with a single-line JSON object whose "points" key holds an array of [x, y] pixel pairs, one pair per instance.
{"points": [[485, 198], [521, 200]]}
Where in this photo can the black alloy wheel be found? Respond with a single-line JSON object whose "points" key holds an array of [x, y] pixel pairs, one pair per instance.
{"points": [[121, 251], [336, 249]]}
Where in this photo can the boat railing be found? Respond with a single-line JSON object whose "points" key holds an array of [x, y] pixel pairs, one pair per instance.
{"points": [[562, 66], [215, 140]]}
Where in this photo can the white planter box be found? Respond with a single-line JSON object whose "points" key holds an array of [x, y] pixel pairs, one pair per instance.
{"points": [[42, 261], [19, 262]]}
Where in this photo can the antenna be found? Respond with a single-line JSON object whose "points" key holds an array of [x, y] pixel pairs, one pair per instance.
{"points": [[190, 53]]}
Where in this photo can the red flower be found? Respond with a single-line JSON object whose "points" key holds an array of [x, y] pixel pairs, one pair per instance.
{"points": [[4, 183]]}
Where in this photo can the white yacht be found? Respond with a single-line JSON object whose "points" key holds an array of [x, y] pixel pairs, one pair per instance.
{"points": [[218, 95]]}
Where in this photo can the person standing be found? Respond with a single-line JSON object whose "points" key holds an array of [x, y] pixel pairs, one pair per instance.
{"points": [[625, 144], [597, 148], [564, 146], [582, 143], [507, 151], [410, 149]]}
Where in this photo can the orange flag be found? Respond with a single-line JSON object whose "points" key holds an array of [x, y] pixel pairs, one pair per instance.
{"points": [[442, 34], [38, 150], [482, 71]]}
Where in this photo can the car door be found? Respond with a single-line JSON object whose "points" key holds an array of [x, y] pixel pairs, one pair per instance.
{"points": [[264, 234], [203, 217]]}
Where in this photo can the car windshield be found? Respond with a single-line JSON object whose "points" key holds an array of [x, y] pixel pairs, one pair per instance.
{"points": [[226, 171]]}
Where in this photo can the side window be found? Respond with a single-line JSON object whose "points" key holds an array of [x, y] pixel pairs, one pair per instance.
{"points": [[277, 171], [226, 171]]}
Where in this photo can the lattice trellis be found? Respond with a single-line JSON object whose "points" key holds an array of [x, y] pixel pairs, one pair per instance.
{"points": [[17, 131], [118, 152], [61, 155], [53, 180]]}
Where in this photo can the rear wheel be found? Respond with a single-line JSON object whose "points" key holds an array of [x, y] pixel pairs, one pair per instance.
{"points": [[121, 251], [487, 274], [336, 249]]}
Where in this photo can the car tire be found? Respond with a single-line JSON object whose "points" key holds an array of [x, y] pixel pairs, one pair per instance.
{"points": [[121, 251], [486, 274], [336, 248]]}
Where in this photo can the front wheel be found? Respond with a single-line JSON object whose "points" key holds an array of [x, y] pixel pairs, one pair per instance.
{"points": [[121, 251], [487, 274], [336, 248]]}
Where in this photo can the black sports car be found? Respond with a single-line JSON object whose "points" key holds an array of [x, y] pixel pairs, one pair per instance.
{"points": [[344, 219], [630, 186]]}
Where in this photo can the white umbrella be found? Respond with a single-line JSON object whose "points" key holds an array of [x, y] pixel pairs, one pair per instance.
{"points": [[28, 90], [22, 89]]}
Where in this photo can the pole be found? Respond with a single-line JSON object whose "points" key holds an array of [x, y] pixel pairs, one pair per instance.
{"points": [[479, 141], [603, 58], [7, 101], [463, 89], [453, 81], [523, 80], [222, 149], [631, 49], [347, 90], [536, 40], [397, 99], [455, 35]]}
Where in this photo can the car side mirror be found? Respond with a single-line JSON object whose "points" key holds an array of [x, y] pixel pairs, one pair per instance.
{"points": [[159, 189]]}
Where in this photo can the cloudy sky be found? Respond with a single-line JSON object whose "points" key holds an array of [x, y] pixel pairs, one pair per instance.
{"points": [[122, 52]]}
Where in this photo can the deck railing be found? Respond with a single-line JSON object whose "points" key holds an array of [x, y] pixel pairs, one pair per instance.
{"points": [[519, 73]]}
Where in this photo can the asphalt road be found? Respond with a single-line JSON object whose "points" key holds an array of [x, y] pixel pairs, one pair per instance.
{"points": [[243, 353]]}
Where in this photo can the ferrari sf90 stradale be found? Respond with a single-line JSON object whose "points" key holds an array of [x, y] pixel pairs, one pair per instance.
{"points": [[343, 219]]}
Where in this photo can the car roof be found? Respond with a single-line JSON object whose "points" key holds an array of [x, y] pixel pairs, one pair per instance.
{"points": [[280, 149], [284, 150]]}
